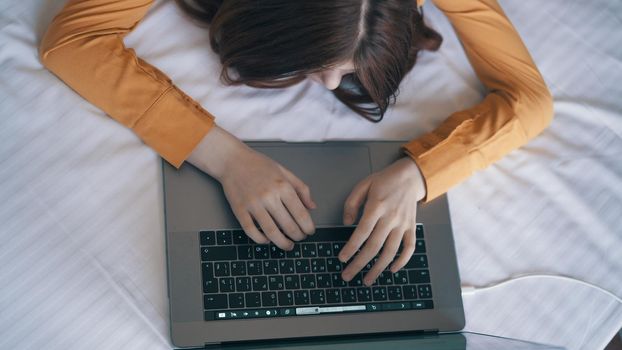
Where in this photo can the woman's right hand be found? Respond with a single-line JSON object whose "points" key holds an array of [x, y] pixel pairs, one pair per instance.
{"points": [[257, 188]]}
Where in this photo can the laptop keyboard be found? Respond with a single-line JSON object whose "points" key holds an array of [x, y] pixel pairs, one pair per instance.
{"points": [[242, 279]]}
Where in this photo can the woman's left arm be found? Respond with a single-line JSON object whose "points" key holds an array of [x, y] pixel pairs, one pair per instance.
{"points": [[517, 108]]}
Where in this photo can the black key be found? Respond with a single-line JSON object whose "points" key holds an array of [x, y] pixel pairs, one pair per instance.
{"points": [[236, 300], [309, 250], [208, 270], [423, 304], [318, 265], [208, 238], [276, 252], [367, 267], [302, 266], [253, 267], [419, 231], [395, 292], [227, 284], [410, 292], [210, 285], [294, 253], [379, 293], [419, 276], [270, 267], [286, 266], [245, 252], [337, 247], [356, 281], [324, 250], [301, 297], [307, 281], [223, 237], [261, 251], [425, 291], [363, 294], [215, 301], [323, 280], [348, 295], [243, 284], [333, 296], [221, 268], [238, 268], [276, 282], [317, 296], [386, 278], [268, 298], [253, 299], [240, 237], [260, 283], [337, 280], [292, 282], [417, 261], [333, 265], [400, 277], [420, 246], [218, 253], [286, 298]]}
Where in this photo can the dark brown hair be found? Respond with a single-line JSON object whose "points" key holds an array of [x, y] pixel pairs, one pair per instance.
{"points": [[277, 43]]}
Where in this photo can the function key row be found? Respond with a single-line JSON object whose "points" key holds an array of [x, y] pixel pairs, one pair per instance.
{"points": [[228, 237], [291, 311]]}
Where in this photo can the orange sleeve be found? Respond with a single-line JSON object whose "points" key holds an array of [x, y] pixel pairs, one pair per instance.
{"points": [[84, 47], [517, 108]]}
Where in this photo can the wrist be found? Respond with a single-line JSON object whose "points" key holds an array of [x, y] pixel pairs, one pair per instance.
{"points": [[414, 172], [216, 151]]}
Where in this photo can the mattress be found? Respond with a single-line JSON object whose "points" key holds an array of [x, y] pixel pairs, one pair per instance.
{"points": [[82, 255]]}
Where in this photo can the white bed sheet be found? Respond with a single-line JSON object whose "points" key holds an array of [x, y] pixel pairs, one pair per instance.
{"points": [[82, 260]]}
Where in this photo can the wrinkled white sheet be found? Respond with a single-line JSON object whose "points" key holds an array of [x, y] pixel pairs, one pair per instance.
{"points": [[82, 260]]}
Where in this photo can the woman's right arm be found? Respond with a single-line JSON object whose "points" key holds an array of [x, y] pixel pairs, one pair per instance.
{"points": [[84, 47]]}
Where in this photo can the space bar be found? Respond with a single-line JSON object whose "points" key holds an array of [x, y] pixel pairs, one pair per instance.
{"points": [[320, 310]]}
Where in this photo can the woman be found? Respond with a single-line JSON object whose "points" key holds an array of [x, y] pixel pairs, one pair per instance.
{"points": [[371, 44]]}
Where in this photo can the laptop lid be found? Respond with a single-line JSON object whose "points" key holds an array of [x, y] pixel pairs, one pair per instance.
{"points": [[195, 201], [447, 341]]}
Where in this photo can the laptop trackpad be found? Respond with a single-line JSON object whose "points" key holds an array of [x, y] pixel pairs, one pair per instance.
{"points": [[330, 171]]}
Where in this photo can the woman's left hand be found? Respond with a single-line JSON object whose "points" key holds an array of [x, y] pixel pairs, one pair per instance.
{"points": [[389, 215]]}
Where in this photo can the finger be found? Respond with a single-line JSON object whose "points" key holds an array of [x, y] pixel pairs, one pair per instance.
{"points": [[246, 221], [299, 212], [285, 221], [360, 234], [271, 230], [354, 201], [391, 246], [408, 248], [369, 251], [301, 188]]}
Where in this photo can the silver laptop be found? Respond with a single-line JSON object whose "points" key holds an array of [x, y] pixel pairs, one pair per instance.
{"points": [[224, 289]]}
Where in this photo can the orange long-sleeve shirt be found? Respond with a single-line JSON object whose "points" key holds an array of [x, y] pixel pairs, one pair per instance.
{"points": [[84, 47]]}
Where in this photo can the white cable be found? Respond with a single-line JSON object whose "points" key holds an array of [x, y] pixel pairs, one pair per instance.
{"points": [[466, 289]]}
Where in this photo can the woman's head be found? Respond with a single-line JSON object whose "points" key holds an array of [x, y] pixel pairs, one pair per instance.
{"points": [[372, 44]]}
